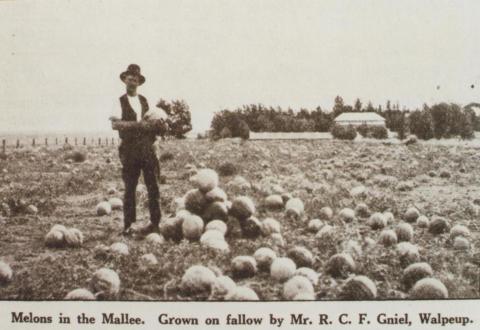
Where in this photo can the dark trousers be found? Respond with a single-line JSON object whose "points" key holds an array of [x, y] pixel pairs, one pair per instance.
{"points": [[135, 161]]}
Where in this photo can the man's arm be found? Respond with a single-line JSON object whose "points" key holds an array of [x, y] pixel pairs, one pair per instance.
{"points": [[158, 127]]}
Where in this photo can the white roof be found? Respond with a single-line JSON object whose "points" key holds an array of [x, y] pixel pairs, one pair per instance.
{"points": [[359, 116], [476, 109]]}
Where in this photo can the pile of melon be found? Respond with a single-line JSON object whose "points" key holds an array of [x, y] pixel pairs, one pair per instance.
{"points": [[203, 212]]}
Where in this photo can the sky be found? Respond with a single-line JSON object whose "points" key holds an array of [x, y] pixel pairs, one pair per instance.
{"points": [[60, 60]]}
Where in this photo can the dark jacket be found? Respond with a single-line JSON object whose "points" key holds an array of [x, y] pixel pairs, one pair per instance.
{"points": [[134, 140]]}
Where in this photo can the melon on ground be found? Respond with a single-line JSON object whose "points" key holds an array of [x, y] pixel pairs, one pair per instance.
{"points": [[6, 273], [347, 215], [264, 257], [241, 293], [103, 208], [149, 260], [251, 228], [301, 256], [438, 226], [276, 241], [217, 194], [217, 245], [198, 279], [325, 213], [408, 253], [154, 238], [294, 208], [119, 248], [459, 230], [389, 217], [377, 221], [308, 273], [73, 237], [55, 238], [304, 296], [325, 234], [404, 232], [270, 226], [192, 227], [388, 237], [171, 228], [422, 221], [195, 201], [244, 266], [314, 225], [116, 203], [411, 215], [211, 234], [242, 208], [205, 180], [80, 294], [217, 225], [415, 272], [340, 265], [106, 282], [429, 288], [461, 243], [216, 210], [361, 210], [274, 202], [282, 269], [295, 286], [359, 288], [223, 285]]}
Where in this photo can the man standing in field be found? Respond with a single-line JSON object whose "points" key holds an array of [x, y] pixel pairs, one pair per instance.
{"points": [[136, 150]]}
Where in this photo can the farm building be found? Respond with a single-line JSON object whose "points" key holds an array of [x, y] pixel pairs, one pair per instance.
{"points": [[475, 107], [359, 118]]}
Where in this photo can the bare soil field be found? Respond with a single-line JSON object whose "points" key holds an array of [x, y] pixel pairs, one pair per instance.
{"points": [[439, 181]]}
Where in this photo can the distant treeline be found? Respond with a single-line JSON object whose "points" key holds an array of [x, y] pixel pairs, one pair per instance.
{"points": [[440, 120]]}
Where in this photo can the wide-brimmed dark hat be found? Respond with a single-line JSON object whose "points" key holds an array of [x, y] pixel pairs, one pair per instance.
{"points": [[133, 69]]}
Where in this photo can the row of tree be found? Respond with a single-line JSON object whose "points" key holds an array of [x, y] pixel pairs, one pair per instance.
{"points": [[440, 120]]}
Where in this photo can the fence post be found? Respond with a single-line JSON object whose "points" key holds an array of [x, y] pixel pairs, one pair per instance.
{"points": [[75, 141], [106, 141], [18, 143], [4, 145], [46, 141], [56, 141], [113, 141], [99, 141], [84, 141], [33, 142], [66, 140]]}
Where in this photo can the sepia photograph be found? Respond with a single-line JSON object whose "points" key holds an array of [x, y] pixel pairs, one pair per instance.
{"points": [[220, 151]]}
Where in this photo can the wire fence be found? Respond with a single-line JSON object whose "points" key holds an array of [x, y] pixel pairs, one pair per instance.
{"points": [[74, 141]]}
